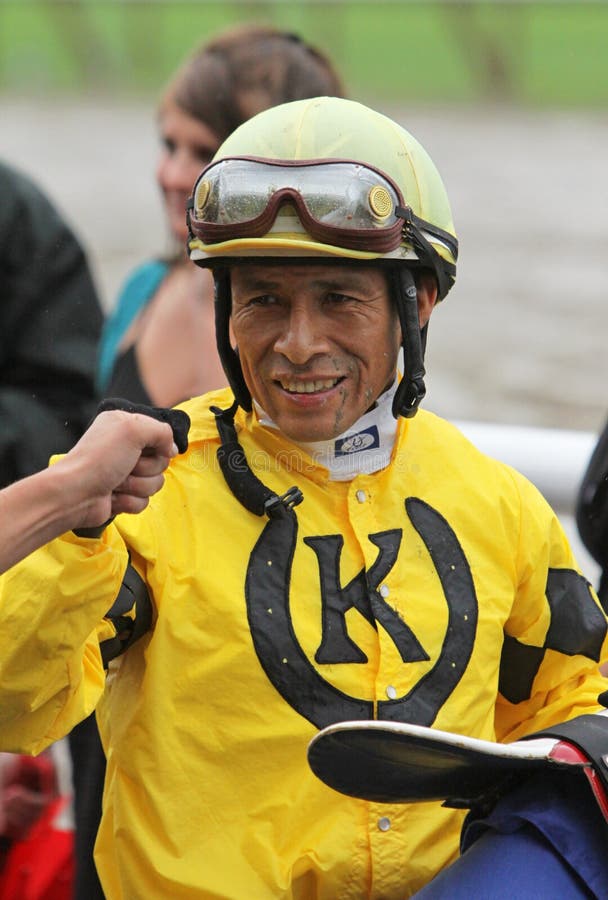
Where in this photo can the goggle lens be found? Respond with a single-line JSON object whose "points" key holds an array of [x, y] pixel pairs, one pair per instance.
{"points": [[347, 202]]}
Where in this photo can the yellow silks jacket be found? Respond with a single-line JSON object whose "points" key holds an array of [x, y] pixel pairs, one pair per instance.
{"points": [[440, 590]]}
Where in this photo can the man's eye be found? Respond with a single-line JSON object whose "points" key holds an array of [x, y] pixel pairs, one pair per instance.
{"points": [[338, 299], [262, 300], [169, 145]]}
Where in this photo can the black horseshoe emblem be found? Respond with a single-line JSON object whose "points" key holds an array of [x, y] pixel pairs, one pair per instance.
{"points": [[289, 669], [424, 701]]}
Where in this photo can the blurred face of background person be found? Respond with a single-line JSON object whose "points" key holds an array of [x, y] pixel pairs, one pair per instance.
{"points": [[226, 81], [188, 144]]}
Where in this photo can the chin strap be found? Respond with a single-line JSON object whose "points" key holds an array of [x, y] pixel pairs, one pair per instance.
{"points": [[411, 388], [247, 487], [228, 355]]}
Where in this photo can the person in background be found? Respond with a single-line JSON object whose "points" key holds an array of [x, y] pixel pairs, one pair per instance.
{"points": [[158, 345], [592, 511], [28, 790], [50, 324], [324, 551]]}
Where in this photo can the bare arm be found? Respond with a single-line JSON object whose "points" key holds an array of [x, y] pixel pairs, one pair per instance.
{"points": [[115, 467]]}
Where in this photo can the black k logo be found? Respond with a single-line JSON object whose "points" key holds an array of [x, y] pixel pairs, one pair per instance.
{"points": [[283, 659], [361, 594]]}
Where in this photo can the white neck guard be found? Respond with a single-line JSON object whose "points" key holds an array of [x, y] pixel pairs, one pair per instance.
{"points": [[364, 448]]}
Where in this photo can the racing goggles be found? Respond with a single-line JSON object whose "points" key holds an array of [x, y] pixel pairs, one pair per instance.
{"points": [[339, 202]]}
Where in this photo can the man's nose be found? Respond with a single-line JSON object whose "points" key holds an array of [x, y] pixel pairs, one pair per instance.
{"points": [[302, 336]]}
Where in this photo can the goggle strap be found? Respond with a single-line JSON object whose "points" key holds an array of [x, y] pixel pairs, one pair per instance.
{"points": [[411, 389], [444, 236], [413, 221], [425, 249]]}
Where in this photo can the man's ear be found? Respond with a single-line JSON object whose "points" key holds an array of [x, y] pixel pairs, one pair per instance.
{"points": [[426, 287]]}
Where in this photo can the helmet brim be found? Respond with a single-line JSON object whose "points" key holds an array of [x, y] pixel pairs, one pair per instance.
{"points": [[287, 246]]}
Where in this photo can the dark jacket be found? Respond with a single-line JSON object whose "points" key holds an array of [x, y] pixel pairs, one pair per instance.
{"points": [[50, 323], [592, 511]]}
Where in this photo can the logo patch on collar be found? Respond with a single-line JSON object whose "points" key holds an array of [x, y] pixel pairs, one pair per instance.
{"points": [[368, 439]]}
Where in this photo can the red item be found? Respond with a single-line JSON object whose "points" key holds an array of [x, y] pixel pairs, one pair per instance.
{"points": [[41, 866], [36, 862]]}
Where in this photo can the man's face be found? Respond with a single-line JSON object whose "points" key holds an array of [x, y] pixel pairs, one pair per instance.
{"points": [[318, 343]]}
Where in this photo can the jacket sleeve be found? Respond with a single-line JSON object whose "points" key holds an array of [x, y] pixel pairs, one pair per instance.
{"points": [[50, 322], [52, 620], [555, 638]]}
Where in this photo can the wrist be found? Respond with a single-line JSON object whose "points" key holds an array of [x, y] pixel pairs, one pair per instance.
{"points": [[78, 504], [93, 531]]}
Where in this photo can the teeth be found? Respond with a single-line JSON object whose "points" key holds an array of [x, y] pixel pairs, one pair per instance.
{"points": [[309, 387]]}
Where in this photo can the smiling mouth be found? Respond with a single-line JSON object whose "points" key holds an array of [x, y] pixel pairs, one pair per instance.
{"points": [[318, 385]]}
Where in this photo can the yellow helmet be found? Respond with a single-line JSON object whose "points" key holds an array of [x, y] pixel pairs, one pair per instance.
{"points": [[317, 130], [326, 177]]}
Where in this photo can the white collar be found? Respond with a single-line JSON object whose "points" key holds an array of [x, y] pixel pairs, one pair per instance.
{"points": [[364, 448]]}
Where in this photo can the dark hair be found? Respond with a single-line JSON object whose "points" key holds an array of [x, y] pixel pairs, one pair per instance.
{"points": [[245, 70]]}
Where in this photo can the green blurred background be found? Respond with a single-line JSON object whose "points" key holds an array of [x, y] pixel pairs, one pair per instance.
{"points": [[551, 54]]}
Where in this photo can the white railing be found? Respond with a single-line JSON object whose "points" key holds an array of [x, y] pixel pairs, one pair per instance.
{"points": [[553, 459]]}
